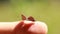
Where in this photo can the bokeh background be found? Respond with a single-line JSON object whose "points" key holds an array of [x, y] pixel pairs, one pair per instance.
{"points": [[47, 11]]}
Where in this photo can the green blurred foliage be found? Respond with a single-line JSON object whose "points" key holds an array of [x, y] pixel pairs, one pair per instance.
{"points": [[47, 11]]}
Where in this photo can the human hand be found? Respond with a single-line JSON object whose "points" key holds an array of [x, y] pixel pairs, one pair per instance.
{"points": [[24, 27], [29, 27]]}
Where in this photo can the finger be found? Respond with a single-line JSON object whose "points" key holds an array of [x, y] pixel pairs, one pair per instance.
{"points": [[38, 28]]}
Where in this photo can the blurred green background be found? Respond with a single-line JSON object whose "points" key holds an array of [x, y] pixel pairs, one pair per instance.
{"points": [[47, 11]]}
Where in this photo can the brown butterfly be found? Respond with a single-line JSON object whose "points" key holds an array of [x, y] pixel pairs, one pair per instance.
{"points": [[30, 18]]}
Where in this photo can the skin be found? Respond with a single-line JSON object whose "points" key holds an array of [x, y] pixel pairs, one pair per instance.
{"points": [[23, 27], [31, 27]]}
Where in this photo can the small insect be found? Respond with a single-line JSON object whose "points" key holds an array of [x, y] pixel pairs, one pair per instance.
{"points": [[30, 18]]}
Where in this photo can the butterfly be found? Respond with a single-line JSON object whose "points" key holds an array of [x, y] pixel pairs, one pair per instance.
{"points": [[30, 18]]}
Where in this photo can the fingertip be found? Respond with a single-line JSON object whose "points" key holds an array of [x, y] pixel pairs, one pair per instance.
{"points": [[39, 27]]}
